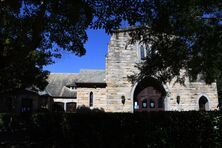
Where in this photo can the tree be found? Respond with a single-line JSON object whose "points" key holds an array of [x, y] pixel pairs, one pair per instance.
{"points": [[185, 36], [32, 33]]}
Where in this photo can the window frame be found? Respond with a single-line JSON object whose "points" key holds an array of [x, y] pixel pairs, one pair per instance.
{"points": [[142, 52], [146, 51]]}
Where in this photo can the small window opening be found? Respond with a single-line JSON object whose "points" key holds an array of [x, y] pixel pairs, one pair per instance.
{"points": [[152, 103], [142, 53], [144, 103], [91, 99]]}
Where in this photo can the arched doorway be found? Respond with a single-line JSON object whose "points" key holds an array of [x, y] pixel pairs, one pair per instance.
{"points": [[203, 104], [149, 95]]}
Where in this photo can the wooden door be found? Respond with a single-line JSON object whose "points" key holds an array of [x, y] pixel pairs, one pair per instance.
{"points": [[149, 99]]}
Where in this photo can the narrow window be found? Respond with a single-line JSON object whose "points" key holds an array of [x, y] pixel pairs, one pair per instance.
{"points": [[144, 103], [142, 53], [152, 103], [136, 105], [91, 99]]}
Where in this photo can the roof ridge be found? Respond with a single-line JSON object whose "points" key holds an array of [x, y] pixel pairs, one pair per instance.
{"points": [[62, 91]]}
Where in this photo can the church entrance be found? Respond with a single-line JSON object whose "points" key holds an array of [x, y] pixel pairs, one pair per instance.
{"points": [[149, 96]]}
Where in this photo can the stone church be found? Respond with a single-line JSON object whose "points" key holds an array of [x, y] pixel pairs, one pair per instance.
{"points": [[111, 90]]}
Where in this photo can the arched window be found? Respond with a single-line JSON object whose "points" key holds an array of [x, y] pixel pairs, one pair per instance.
{"points": [[144, 103], [152, 103], [203, 104], [91, 99], [136, 105], [142, 53]]}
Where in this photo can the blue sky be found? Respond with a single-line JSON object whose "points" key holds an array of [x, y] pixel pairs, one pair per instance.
{"points": [[96, 49]]}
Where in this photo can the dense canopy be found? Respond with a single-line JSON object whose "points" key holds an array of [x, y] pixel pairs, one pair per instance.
{"points": [[185, 36], [32, 33]]}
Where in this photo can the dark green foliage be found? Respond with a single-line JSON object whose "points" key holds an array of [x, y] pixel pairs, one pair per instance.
{"points": [[219, 90], [85, 109], [32, 33], [184, 35], [153, 129]]}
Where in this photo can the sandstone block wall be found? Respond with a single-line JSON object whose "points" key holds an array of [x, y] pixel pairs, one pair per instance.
{"points": [[190, 95], [99, 97], [120, 63]]}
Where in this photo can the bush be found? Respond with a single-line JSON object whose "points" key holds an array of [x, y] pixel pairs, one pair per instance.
{"points": [[152, 129], [85, 109]]}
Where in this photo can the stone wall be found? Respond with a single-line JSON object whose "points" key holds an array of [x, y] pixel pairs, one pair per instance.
{"points": [[120, 63], [99, 97], [190, 95]]}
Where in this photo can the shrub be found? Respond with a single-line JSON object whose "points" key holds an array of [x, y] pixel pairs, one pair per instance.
{"points": [[148, 129], [85, 109]]}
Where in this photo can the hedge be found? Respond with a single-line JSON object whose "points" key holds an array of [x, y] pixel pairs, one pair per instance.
{"points": [[112, 130]]}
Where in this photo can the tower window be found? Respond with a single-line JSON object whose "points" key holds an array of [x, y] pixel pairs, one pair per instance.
{"points": [[142, 53]]}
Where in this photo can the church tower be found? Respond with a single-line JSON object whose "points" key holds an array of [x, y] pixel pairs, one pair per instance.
{"points": [[149, 94]]}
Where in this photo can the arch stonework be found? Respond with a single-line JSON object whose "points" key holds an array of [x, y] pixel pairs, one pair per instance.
{"points": [[166, 89], [207, 108]]}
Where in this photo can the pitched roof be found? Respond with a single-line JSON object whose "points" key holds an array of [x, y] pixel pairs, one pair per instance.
{"points": [[57, 81], [68, 93], [91, 76], [44, 93]]}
